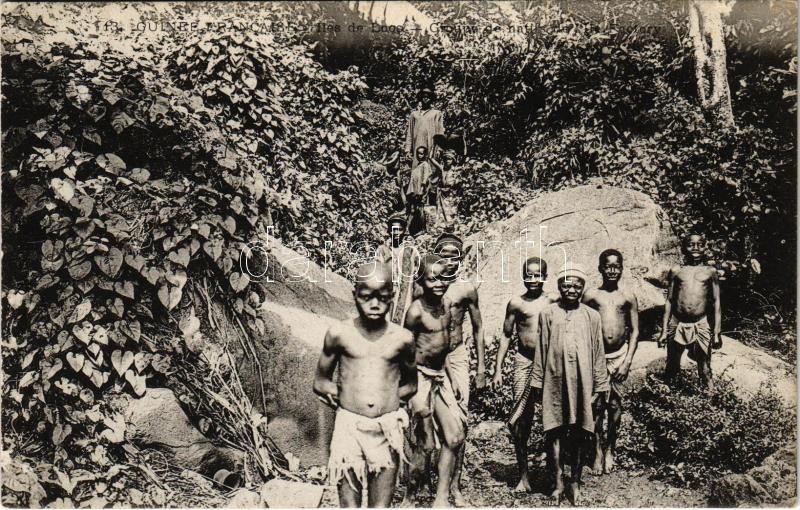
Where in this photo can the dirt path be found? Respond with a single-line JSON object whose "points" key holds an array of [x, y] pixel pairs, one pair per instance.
{"points": [[490, 474]]}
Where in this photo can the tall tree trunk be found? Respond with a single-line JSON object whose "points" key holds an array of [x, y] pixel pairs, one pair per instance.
{"points": [[706, 29]]}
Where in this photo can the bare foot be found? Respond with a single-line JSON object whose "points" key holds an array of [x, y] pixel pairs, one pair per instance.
{"points": [[407, 503], [441, 503], [554, 499], [524, 485], [597, 467], [575, 492], [458, 499], [609, 462], [410, 499]]}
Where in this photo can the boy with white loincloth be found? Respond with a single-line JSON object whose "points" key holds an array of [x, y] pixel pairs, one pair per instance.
{"points": [[522, 314], [692, 313], [461, 298], [377, 375], [619, 317], [438, 419], [569, 372]]}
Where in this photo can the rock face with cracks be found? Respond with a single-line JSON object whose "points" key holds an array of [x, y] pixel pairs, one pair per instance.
{"points": [[301, 300], [575, 225]]}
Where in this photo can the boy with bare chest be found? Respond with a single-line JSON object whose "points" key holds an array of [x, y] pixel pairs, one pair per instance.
{"points": [[437, 418], [619, 318], [377, 375], [692, 313], [522, 314], [461, 299]]}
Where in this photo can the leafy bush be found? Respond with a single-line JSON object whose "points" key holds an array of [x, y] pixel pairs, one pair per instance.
{"points": [[124, 202], [299, 123], [487, 193], [119, 229], [691, 436]]}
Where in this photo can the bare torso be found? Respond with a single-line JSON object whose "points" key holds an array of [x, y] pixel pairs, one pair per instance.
{"points": [[369, 368], [526, 320], [614, 308], [431, 335], [692, 288]]}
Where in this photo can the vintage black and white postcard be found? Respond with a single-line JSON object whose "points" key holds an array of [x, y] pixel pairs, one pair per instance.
{"points": [[399, 253]]}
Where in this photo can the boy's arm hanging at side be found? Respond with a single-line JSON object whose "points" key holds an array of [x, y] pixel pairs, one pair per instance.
{"points": [[324, 387], [633, 340], [502, 348], [477, 334], [408, 373], [667, 309], [715, 295]]}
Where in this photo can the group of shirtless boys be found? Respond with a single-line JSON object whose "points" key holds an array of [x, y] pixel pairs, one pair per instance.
{"points": [[402, 392]]}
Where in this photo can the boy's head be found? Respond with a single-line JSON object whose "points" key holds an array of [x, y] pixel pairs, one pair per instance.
{"points": [[397, 229], [431, 275], [426, 96], [610, 265], [534, 274], [451, 248], [373, 290], [693, 247], [422, 153], [571, 282]]}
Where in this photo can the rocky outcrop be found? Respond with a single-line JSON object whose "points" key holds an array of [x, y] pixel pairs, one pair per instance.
{"points": [[575, 224], [749, 368], [301, 300], [772, 483], [157, 420]]}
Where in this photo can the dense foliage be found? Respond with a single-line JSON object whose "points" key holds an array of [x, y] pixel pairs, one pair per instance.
{"points": [[132, 183], [119, 199], [692, 436]]}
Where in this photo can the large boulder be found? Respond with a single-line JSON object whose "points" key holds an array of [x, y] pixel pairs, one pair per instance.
{"points": [[157, 420], [301, 300], [575, 224]]}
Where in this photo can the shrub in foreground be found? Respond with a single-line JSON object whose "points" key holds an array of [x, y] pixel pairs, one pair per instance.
{"points": [[691, 436]]}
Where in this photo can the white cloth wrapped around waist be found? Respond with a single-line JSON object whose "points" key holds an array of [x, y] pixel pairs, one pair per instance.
{"points": [[362, 443]]}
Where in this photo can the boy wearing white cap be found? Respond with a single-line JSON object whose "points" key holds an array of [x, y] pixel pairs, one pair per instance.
{"points": [[569, 372]]}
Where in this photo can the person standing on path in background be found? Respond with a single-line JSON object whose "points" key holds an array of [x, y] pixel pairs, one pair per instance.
{"points": [[692, 313], [423, 124], [389, 165], [403, 258], [437, 419], [425, 178], [377, 376], [569, 371], [462, 299], [522, 314], [619, 317]]}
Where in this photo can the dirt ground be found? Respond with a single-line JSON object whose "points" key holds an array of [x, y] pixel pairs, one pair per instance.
{"points": [[490, 475]]}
